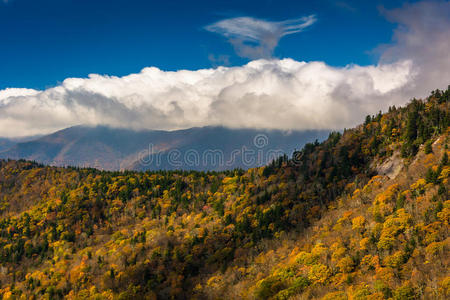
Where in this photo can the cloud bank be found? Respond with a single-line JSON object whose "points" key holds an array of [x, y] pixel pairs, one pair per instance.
{"points": [[254, 38], [278, 94]]}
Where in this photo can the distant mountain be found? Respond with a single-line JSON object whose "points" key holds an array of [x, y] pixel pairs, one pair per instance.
{"points": [[6, 143], [202, 148]]}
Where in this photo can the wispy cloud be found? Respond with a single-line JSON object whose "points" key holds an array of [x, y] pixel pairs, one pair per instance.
{"points": [[345, 5], [219, 60], [255, 38]]}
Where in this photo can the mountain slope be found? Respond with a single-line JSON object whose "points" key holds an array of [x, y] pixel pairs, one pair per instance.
{"points": [[321, 224], [6, 144], [116, 149], [385, 239]]}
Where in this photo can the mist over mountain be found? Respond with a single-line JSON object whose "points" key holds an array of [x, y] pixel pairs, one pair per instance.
{"points": [[200, 148]]}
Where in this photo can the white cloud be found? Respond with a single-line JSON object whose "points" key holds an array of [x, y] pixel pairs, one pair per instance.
{"points": [[282, 94], [264, 93], [9, 93], [255, 38]]}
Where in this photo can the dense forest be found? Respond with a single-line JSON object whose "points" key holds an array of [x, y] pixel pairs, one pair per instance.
{"points": [[363, 215]]}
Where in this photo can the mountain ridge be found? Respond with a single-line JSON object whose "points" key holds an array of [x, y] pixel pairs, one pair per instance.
{"points": [[118, 149]]}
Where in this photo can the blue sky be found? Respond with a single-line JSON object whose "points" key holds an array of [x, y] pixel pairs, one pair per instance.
{"points": [[43, 42]]}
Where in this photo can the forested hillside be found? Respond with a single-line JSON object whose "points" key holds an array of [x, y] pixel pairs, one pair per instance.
{"points": [[363, 215]]}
